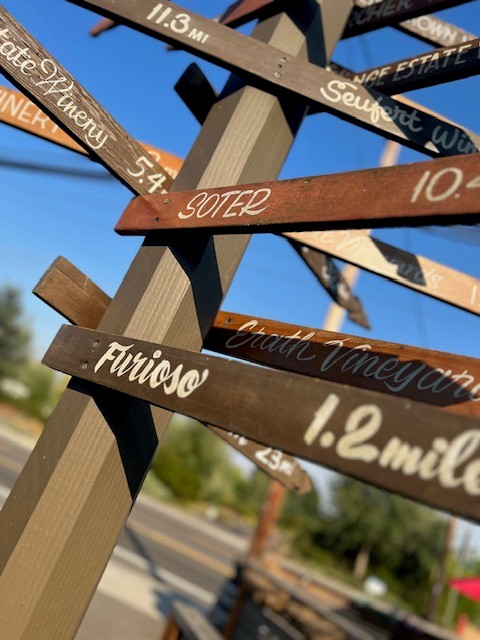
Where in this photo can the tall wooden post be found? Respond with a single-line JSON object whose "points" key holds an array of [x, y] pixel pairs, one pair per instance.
{"points": [[67, 509]]}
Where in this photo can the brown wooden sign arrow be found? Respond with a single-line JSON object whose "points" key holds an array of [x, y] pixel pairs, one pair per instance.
{"points": [[445, 187], [389, 12], [402, 267], [428, 28], [18, 111], [332, 280], [400, 445], [445, 380], [424, 70], [270, 68], [31, 68], [72, 294]]}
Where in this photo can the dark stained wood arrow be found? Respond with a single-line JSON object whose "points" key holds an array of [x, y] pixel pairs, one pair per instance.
{"points": [[441, 188], [411, 448], [19, 112], [382, 14], [424, 70], [402, 267], [361, 362], [196, 92], [332, 280], [270, 68], [445, 380], [72, 294], [428, 28], [37, 74]]}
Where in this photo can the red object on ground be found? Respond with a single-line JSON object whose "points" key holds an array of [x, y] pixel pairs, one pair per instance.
{"points": [[469, 587]]}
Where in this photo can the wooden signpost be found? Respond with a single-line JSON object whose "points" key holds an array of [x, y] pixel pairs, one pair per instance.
{"points": [[72, 294], [31, 68], [97, 446], [445, 187], [101, 447], [268, 68], [403, 446]]}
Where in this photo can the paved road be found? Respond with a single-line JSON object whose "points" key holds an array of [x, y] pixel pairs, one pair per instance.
{"points": [[162, 553]]}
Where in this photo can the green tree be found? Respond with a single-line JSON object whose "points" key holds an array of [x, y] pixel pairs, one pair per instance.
{"points": [[14, 336], [193, 463], [388, 535]]}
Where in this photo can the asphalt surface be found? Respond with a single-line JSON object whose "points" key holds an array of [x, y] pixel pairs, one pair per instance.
{"points": [[163, 553]]}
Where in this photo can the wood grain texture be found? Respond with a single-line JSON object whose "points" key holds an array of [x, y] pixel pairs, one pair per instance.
{"points": [[400, 445], [424, 70], [91, 458], [266, 67], [72, 294], [20, 112], [428, 28], [382, 14], [424, 191], [402, 267], [435, 31], [330, 277], [37, 74], [386, 367]]}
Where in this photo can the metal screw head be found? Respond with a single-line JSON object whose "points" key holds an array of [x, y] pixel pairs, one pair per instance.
{"points": [[96, 343], [166, 201], [277, 75], [84, 365]]}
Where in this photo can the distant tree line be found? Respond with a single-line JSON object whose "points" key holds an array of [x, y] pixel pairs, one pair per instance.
{"points": [[24, 383]]}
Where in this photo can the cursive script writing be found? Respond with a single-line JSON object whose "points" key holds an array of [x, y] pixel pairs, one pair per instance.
{"points": [[448, 462], [53, 83], [142, 369]]}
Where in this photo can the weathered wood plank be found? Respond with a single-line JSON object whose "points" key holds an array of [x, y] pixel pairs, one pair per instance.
{"points": [[332, 280], [428, 28], [37, 74], [267, 67], [88, 466], [18, 111], [447, 187], [424, 70], [72, 294], [445, 380], [382, 14], [400, 445], [402, 267]]}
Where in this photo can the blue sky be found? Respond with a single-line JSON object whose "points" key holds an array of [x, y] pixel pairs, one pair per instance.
{"points": [[45, 215]]}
